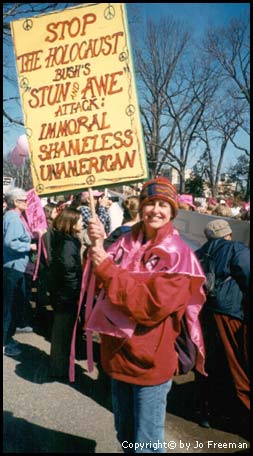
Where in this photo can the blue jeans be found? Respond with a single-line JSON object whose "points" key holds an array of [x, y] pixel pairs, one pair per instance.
{"points": [[14, 302], [139, 413]]}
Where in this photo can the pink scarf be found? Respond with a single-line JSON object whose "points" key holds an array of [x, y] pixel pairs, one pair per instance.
{"points": [[168, 254]]}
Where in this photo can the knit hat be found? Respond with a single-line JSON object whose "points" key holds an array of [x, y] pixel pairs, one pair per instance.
{"points": [[217, 229], [159, 188]]}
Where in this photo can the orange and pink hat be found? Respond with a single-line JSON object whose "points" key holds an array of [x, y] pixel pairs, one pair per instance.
{"points": [[159, 188]]}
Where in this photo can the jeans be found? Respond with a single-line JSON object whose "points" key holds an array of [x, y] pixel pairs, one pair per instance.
{"points": [[139, 413], [14, 301]]}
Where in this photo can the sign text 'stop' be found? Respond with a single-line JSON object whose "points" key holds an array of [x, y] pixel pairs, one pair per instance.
{"points": [[79, 98]]}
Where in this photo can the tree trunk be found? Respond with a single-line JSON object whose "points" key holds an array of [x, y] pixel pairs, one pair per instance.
{"points": [[247, 194]]}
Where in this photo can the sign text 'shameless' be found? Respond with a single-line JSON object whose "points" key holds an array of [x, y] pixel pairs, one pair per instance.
{"points": [[79, 98]]}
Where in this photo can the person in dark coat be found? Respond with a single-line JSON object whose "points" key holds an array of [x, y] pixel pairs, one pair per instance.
{"points": [[225, 319], [65, 283], [43, 293]]}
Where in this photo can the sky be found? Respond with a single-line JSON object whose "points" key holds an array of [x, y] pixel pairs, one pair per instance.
{"points": [[197, 15]]}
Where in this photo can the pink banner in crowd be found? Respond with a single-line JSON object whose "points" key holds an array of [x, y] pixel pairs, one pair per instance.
{"points": [[35, 213]]}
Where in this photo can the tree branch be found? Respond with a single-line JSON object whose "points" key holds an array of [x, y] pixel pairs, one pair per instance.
{"points": [[10, 119]]}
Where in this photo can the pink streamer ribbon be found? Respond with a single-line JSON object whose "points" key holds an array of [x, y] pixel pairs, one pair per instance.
{"points": [[41, 246], [38, 259], [89, 302]]}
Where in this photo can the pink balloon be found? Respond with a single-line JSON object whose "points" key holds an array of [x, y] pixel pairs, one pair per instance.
{"points": [[22, 146], [15, 158]]}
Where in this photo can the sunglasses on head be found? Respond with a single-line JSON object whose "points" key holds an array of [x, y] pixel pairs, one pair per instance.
{"points": [[22, 199]]}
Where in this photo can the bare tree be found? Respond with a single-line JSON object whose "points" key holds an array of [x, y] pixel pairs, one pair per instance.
{"points": [[186, 108], [230, 49], [175, 94], [216, 130], [239, 174], [156, 61], [245, 165]]}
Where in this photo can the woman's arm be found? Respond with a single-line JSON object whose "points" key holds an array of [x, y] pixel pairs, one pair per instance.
{"points": [[15, 236], [148, 301]]}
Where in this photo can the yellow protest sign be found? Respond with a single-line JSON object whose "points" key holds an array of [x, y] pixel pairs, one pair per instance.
{"points": [[79, 98]]}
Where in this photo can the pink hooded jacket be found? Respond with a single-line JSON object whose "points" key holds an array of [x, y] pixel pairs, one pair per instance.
{"points": [[146, 290]]}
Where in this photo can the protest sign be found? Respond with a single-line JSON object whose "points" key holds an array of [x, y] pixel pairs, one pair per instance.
{"points": [[35, 213], [79, 98]]}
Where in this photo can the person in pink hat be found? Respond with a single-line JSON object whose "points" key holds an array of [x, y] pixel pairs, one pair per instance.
{"points": [[186, 202]]}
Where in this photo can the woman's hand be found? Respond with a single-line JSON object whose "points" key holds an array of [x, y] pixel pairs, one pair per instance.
{"points": [[96, 234], [96, 231], [98, 255]]}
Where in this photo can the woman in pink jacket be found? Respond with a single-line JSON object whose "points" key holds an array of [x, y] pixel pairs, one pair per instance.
{"points": [[150, 279]]}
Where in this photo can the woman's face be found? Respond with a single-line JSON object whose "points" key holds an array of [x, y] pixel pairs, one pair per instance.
{"points": [[21, 203], [79, 225], [155, 214], [54, 213]]}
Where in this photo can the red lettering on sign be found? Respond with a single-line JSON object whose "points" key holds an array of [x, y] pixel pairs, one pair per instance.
{"points": [[76, 26]]}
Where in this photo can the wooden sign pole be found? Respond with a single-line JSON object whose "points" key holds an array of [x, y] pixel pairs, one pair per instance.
{"points": [[92, 203], [93, 210]]}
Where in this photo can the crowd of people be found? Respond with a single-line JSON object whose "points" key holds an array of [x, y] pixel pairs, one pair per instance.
{"points": [[230, 207], [147, 279]]}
